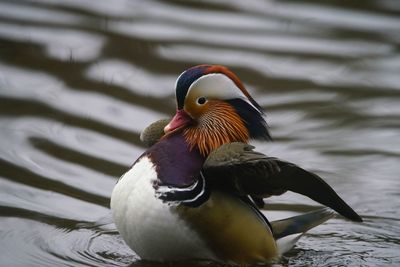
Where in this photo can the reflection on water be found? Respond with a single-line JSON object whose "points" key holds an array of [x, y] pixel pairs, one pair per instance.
{"points": [[80, 79]]}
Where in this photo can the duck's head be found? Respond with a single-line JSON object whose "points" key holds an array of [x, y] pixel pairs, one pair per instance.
{"points": [[214, 108]]}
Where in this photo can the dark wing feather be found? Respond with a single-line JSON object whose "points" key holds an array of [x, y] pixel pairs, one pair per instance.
{"points": [[237, 167]]}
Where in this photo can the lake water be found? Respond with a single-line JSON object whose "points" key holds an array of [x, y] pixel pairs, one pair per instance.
{"points": [[79, 80]]}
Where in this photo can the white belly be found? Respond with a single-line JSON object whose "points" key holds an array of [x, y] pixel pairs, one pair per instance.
{"points": [[149, 226]]}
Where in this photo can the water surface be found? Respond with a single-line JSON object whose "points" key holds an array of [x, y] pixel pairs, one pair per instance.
{"points": [[80, 79]]}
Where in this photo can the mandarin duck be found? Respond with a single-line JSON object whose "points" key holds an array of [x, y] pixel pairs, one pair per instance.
{"points": [[195, 193]]}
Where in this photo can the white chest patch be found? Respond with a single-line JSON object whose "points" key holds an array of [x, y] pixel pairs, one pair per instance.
{"points": [[149, 226]]}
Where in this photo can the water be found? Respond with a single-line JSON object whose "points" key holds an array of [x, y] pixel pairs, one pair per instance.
{"points": [[80, 79]]}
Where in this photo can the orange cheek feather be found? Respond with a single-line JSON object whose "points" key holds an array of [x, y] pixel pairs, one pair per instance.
{"points": [[217, 124]]}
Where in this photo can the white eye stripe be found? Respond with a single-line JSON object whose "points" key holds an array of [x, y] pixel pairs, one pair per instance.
{"points": [[217, 86], [206, 86]]}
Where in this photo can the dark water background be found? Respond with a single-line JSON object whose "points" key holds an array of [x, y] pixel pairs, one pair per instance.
{"points": [[79, 80]]}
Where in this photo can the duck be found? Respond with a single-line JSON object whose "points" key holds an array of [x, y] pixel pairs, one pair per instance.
{"points": [[197, 191]]}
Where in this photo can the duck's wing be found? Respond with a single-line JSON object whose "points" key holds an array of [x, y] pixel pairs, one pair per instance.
{"points": [[152, 133], [288, 231], [237, 167]]}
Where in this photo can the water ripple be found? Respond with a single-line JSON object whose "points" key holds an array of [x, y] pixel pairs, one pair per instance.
{"points": [[79, 80]]}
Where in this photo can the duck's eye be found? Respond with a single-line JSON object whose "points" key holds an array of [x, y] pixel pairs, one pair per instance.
{"points": [[201, 100]]}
